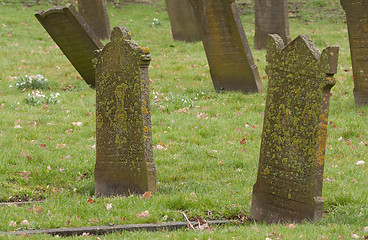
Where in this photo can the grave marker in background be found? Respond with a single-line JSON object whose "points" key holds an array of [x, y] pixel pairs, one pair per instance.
{"points": [[182, 19], [228, 53], [124, 158], [73, 36], [290, 173], [357, 20], [271, 17], [94, 12]]}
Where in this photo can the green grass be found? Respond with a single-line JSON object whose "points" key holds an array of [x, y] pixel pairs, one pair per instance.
{"points": [[205, 170]]}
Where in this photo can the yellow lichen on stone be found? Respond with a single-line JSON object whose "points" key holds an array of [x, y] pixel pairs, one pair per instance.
{"points": [[99, 121], [145, 50]]}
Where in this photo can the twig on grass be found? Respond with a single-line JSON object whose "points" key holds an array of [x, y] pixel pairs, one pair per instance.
{"points": [[189, 223]]}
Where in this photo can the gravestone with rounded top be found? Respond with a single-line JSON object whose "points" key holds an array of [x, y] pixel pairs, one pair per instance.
{"points": [[124, 158], [357, 21], [228, 53], [74, 38], [182, 19], [290, 173], [95, 14], [271, 17]]}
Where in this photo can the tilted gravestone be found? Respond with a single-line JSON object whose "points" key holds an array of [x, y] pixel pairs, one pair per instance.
{"points": [[228, 53], [271, 17], [124, 158], [357, 20], [95, 14], [290, 173], [73, 36], [184, 25]]}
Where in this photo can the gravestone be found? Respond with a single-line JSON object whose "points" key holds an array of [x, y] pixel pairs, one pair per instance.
{"points": [[124, 158], [94, 12], [271, 17], [73, 36], [290, 173], [228, 53], [357, 21], [182, 19]]}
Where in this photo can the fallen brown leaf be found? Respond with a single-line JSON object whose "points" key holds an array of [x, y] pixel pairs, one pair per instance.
{"points": [[146, 195]]}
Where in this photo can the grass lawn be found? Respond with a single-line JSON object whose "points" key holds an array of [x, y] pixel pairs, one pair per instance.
{"points": [[204, 167]]}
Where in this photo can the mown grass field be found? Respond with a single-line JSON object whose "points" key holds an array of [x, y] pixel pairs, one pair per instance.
{"points": [[204, 166]]}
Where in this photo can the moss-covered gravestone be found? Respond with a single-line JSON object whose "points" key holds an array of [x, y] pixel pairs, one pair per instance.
{"points": [[73, 36], [290, 173], [96, 15], [182, 19], [124, 159], [228, 53], [357, 20], [271, 17]]}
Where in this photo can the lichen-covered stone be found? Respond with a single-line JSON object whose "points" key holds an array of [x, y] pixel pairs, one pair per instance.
{"points": [[228, 53], [96, 15], [73, 36], [271, 17], [357, 20], [289, 181], [184, 25], [124, 158]]}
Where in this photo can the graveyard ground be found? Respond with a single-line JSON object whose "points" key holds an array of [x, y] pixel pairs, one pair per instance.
{"points": [[206, 143]]}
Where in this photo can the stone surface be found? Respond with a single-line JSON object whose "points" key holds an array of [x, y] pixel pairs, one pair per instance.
{"points": [[357, 20], [124, 158], [184, 25], [290, 173], [73, 36], [271, 17], [228, 53], [94, 12]]}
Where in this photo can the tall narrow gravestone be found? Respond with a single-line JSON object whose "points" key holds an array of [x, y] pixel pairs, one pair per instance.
{"points": [[124, 158], [73, 36], [290, 173], [184, 25], [271, 17], [228, 53], [357, 20], [95, 14]]}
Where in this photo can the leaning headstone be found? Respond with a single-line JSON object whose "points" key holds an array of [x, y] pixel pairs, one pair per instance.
{"points": [[271, 17], [73, 36], [124, 158], [228, 53], [357, 20], [95, 14], [184, 25], [290, 173]]}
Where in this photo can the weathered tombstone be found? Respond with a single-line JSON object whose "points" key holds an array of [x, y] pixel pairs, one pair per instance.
{"points": [[95, 14], [73, 36], [271, 17], [124, 159], [228, 53], [290, 173], [184, 25], [357, 20]]}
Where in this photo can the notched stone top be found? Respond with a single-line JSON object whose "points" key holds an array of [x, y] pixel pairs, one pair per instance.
{"points": [[122, 35], [300, 57]]}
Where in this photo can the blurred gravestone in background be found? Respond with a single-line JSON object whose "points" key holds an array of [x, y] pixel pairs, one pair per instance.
{"points": [[228, 53], [73, 36], [271, 17], [124, 158], [290, 173], [95, 14], [182, 19], [357, 20]]}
